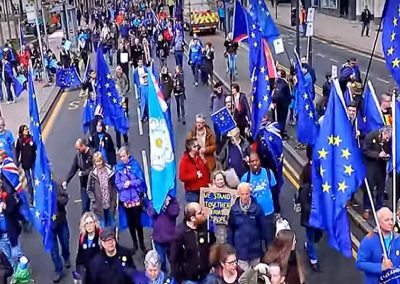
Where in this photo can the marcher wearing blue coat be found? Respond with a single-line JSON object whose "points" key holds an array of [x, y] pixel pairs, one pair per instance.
{"points": [[245, 230], [195, 58], [370, 256]]}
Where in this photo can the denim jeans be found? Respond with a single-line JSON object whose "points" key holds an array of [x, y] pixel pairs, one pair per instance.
{"points": [[10, 96], [84, 198], [310, 245], [61, 234], [107, 220], [195, 70], [180, 106], [163, 252], [28, 175], [5, 246], [1, 89], [191, 196], [232, 64], [179, 58]]}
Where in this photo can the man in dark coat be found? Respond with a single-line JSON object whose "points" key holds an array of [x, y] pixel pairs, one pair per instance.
{"points": [[113, 264], [282, 98], [376, 149], [191, 246], [245, 232]]}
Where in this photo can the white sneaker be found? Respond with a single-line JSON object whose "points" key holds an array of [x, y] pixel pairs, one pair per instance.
{"points": [[196, 84]]}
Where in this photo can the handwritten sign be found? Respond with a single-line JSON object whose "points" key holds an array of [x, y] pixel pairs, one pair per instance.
{"points": [[218, 203]]}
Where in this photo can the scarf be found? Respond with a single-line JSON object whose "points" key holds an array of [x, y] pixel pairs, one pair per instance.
{"points": [[244, 207], [160, 279]]}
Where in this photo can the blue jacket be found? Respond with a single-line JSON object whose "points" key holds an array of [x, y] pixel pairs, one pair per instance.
{"points": [[132, 172], [369, 258], [245, 230], [195, 53]]}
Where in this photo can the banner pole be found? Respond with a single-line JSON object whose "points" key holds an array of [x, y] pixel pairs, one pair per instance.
{"points": [[375, 218], [394, 97]]}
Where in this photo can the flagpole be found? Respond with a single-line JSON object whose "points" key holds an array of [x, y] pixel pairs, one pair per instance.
{"points": [[20, 36], [376, 218], [372, 56], [394, 155]]}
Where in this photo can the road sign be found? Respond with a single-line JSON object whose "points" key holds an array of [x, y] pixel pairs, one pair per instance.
{"points": [[310, 15]]}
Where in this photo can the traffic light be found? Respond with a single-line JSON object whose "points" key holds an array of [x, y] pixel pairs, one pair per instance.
{"points": [[293, 20]]}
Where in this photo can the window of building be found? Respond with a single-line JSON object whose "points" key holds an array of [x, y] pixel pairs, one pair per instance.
{"points": [[329, 4]]}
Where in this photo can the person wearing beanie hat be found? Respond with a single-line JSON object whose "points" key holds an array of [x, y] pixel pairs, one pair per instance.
{"points": [[113, 264]]}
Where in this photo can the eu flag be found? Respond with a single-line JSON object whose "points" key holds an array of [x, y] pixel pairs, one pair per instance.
{"points": [[270, 148], [162, 154], [337, 173], [240, 24], [259, 12], [45, 192], [372, 118], [223, 120], [391, 37], [111, 102], [67, 78], [307, 125], [261, 93], [255, 43]]}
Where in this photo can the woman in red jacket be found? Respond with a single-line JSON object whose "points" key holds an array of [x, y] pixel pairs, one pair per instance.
{"points": [[193, 171], [23, 57]]}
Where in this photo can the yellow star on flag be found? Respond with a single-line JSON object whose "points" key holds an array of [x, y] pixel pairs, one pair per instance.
{"points": [[337, 140], [395, 21], [54, 217], [348, 170], [265, 98], [310, 114], [346, 153], [322, 153], [305, 96], [331, 140], [342, 186], [326, 187], [307, 106], [262, 69], [393, 36], [390, 51], [396, 62]]}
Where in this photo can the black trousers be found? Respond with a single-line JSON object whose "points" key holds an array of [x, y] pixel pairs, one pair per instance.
{"points": [[135, 225], [118, 138]]}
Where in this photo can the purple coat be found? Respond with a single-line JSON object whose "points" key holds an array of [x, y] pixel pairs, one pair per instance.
{"points": [[130, 194], [165, 222]]}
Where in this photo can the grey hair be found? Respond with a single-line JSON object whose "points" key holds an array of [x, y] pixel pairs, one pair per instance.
{"points": [[152, 259], [200, 116], [123, 149]]}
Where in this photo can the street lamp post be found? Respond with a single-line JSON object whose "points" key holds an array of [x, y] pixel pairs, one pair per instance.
{"points": [[298, 27]]}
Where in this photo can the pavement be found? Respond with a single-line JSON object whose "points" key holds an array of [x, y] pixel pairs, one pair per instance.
{"points": [[334, 30], [17, 114]]}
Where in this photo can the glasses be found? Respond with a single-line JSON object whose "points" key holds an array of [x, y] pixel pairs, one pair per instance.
{"points": [[232, 262], [89, 223]]}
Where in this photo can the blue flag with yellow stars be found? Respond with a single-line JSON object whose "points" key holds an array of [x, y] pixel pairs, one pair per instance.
{"points": [[307, 124], [338, 171], [113, 112], [261, 93], [391, 37], [67, 78], [255, 44], [372, 117], [260, 13], [223, 120], [45, 191], [270, 150]]}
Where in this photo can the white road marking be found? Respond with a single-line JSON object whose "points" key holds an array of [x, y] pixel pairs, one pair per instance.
{"points": [[146, 173], [333, 60], [139, 122], [363, 72], [382, 80], [320, 55], [77, 201]]}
